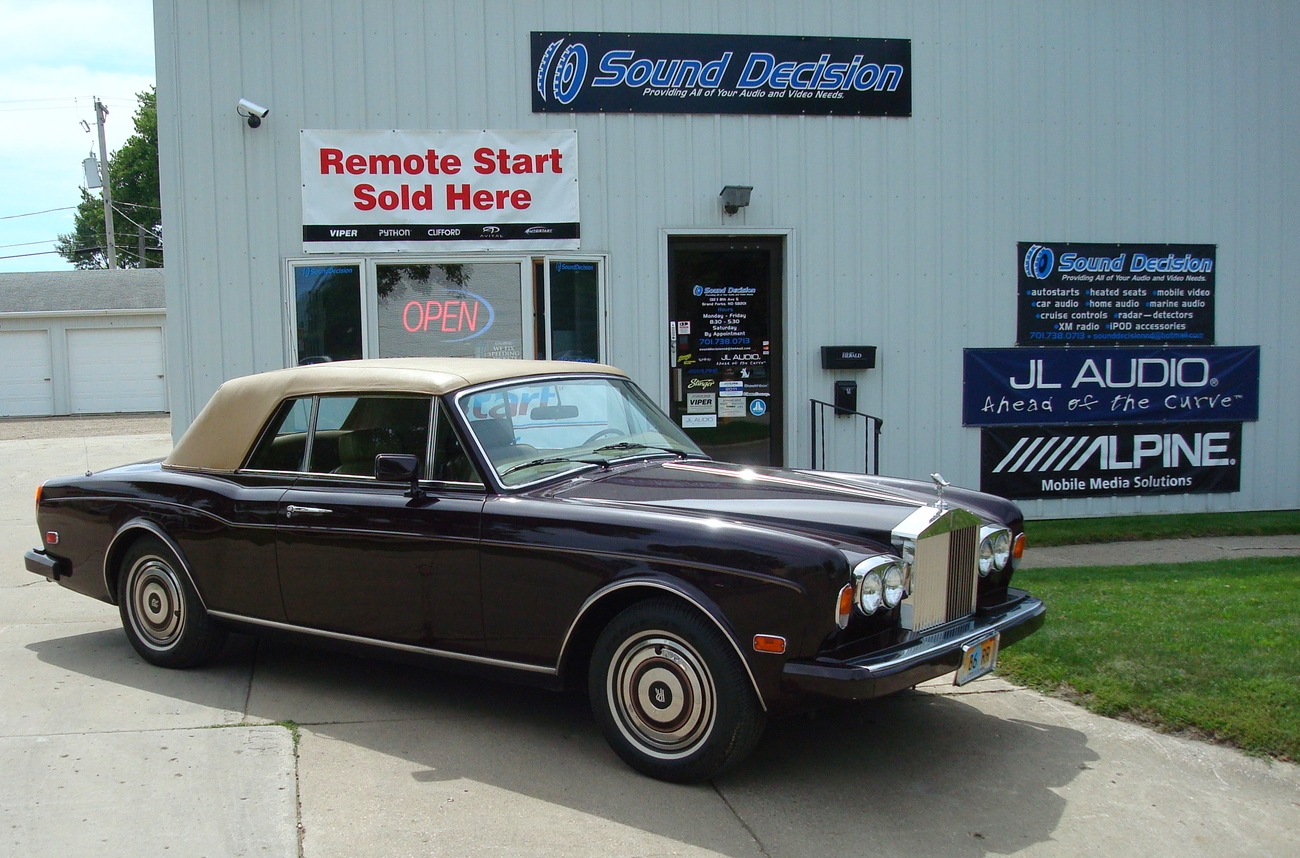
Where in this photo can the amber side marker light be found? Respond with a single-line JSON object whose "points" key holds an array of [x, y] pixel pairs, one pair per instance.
{"points": [[843, 605], [39, 488], [1018, 549], [769, 643]]}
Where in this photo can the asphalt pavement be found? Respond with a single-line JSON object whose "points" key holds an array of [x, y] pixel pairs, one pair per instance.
{"points": [[277, 750]]}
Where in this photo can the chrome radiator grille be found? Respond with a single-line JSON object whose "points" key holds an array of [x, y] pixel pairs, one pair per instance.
{"points": [[944, 575]]}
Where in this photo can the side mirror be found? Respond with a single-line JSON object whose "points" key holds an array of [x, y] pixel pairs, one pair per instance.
{"points": [[399, 468]]}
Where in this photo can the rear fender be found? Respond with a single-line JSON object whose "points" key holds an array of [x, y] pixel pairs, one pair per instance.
{"points": [[122, 540]]}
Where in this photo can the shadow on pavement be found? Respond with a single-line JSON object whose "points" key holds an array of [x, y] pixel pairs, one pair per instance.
{"points": [[915, 774]]}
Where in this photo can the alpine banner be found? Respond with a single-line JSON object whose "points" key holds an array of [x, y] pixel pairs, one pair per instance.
{"points": [[1114, 294], [383, 191], [713, 73], [1031, 462], [1017, 387]]}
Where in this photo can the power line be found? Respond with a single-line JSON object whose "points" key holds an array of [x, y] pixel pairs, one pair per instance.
{"points": [[21, 255], [117, 203], [29, 214], [28, 243]]}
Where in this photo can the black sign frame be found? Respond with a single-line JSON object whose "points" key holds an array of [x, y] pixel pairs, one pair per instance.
{"points": [[1033, 462], [588, 72], [1076, 294]]}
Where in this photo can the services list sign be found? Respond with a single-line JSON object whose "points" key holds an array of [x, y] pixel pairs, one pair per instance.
{"points": [[1098, 461], [383, 191], [1074, 294], [714, 73]]}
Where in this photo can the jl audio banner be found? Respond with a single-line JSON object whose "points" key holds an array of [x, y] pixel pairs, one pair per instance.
{"points": [[1098, 461]]}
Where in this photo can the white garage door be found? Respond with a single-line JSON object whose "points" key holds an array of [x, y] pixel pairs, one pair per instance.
{"points": [[26, 387], [116, 369]]}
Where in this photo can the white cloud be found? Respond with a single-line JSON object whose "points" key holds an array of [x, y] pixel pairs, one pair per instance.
{"points": [[55, 58]]}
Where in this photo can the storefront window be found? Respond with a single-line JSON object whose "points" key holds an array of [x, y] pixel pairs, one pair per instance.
{"points": [[470, 309], [574, 310], [327, 304]]}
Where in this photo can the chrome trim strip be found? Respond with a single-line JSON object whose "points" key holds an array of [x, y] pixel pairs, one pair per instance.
{"points": [[151, 502], [340, 636], [146, 524], [643, 582], [345, 479], [282, 526]]}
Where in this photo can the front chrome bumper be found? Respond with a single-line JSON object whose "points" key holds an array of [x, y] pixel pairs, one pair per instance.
{"points": [[934, 653]]}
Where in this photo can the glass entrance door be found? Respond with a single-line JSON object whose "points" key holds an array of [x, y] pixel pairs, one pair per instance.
{"points": [[725, 374]]}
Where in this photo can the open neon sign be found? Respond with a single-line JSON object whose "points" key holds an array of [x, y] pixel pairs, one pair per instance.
{"points": [[463, 314]]}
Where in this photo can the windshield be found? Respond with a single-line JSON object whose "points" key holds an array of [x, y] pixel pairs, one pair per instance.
{"points": [[535, 429]]}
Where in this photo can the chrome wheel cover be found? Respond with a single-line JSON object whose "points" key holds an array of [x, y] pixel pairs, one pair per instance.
{"points": [[157, 604], [661, 694]]}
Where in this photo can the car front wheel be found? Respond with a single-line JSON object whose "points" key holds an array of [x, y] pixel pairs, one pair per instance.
{"points": [[162, 615], [671, 694]]}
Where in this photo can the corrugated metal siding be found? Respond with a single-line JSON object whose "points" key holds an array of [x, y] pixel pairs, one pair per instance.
{"points": [[1047, 121]]}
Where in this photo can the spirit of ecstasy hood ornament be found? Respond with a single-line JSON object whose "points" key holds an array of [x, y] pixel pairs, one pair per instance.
{"points": [[940, 484]]}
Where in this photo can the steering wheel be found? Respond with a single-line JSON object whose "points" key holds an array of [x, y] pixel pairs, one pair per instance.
{"points": [[601, 434]]}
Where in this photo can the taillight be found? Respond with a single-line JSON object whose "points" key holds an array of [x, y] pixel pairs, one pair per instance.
{"points": [[39, 489]]}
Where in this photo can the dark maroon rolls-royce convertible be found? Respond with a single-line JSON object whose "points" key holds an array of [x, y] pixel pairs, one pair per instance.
{"points": [[546, 522]]}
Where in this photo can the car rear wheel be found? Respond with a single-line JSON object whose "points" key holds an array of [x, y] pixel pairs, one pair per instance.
{"points": [[671, 694], [162, 615]]}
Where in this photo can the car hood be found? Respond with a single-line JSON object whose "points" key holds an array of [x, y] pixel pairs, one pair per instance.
{"points": [[848, 505]]}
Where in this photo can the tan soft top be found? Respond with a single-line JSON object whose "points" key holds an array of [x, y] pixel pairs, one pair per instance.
{"points": [[219, 438]]}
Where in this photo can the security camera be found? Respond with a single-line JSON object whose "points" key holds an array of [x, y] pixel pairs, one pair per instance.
{"points": [[255, 113]]}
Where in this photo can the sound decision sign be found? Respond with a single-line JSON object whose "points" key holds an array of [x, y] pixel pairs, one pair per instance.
{"points": [[381, 191], [1100, 461], [697, 73], [1073, 294]]}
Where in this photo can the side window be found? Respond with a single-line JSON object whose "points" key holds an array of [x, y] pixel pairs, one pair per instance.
{"points": [[352, 430], [284, 444], [451, 464]]}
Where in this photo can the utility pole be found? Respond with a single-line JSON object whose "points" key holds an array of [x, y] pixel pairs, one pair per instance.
{"points": [[100, 112]]}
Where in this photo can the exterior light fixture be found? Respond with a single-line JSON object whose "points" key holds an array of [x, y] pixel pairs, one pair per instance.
{"points": [[735, 197]]}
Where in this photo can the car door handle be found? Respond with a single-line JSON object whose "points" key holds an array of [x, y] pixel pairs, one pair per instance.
{"points": [[293, 509]]}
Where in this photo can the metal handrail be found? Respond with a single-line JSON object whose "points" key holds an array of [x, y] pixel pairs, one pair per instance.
{"points": [[871, 440]]}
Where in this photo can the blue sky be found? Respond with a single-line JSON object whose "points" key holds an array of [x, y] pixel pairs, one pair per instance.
{"points": [[55, 57]]}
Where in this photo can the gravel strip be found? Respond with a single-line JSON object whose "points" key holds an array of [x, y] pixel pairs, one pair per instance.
{"points": [[94, 425]]}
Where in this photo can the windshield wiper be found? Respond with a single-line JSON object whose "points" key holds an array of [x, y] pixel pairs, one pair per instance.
{"points": [[632, 445], [551, 460]]}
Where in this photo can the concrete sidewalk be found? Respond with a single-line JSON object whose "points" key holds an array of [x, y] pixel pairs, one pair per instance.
{"points": [[1163, 551], [277, 750]]}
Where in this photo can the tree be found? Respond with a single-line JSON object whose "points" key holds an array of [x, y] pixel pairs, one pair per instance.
{"points": [[133, 179]]}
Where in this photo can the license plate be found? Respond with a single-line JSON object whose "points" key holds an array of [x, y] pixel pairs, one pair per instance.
{"points": [[977, 659]]}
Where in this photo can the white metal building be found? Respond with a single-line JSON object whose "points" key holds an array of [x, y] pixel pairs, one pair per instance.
{"points": [[82, 342], [1068, 121]]}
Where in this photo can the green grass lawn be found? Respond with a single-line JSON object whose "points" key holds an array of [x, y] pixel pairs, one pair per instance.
{"points": [[1210, 649], [1082, 531]]}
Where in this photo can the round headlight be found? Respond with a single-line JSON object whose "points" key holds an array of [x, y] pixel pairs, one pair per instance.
{"points": [[871, 592], [1002, 549], [995, 549], [894, 589]]}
